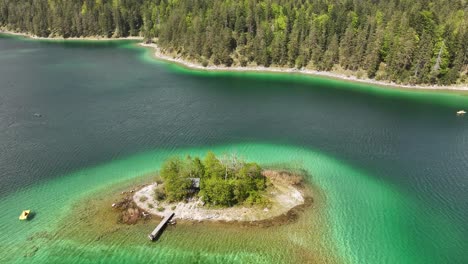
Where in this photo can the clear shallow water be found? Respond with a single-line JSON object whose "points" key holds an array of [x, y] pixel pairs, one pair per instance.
{"points": [[391, 163]]}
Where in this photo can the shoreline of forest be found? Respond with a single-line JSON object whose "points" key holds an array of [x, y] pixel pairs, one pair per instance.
{"points": [[160, 55], [93, 38]]}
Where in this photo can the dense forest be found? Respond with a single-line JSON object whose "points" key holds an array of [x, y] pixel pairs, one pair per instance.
{"points": [[406, 41], [225, 181]]}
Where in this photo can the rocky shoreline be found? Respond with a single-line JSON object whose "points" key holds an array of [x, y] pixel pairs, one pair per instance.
{"points": [[160, 54], [284, 197]]}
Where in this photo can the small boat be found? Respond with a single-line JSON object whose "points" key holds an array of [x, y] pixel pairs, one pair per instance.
{"points": [[461, 112], [24, 215]]}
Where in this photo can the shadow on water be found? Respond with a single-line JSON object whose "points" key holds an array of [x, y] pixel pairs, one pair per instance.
{"points": [[31, 216]]}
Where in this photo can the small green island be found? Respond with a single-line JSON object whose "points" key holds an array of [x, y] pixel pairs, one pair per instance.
{"points": [[223, 188]]}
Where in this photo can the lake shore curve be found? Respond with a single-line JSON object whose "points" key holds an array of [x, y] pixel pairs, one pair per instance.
{"points": [[160, 55]]}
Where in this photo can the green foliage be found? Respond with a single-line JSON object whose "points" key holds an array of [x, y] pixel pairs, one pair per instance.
{"points": [[255, 198], [218, 192], [224, 181], [414, 41], [177, 188], [251, 174], [159, 194], [176, 184], [213, 167]]}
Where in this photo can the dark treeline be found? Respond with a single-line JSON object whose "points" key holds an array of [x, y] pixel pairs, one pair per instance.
{"points": [[409, 41]]}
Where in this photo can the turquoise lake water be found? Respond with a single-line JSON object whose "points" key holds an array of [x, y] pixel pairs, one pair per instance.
{"points": [[78, 117]]}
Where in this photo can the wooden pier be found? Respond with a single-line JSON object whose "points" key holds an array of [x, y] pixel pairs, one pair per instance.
{"points": [[157, 231]]}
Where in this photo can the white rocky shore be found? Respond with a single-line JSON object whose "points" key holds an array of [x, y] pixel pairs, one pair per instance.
{"points": [[283, 198], [163, 56], [159, 54]]}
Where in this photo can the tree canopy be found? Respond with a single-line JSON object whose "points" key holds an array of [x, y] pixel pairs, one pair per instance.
{"points": [[406, 41], [224, 181], [244, 183]]}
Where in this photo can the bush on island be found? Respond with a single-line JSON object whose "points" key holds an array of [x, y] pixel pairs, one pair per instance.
{"points": [[225, 181]]}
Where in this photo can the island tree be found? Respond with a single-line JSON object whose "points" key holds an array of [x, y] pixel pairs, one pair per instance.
{"points": [[223, 181]]}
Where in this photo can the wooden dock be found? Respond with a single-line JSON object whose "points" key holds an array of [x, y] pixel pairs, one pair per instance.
{"points": [[157, 231]]}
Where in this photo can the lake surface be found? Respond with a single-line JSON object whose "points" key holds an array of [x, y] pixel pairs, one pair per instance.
{"points": [[77, 117]]}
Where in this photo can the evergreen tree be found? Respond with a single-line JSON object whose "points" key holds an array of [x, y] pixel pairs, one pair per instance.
{"points": [[404, 41]]}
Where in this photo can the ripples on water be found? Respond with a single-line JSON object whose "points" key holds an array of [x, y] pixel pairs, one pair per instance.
{"points": [[99, 104]]}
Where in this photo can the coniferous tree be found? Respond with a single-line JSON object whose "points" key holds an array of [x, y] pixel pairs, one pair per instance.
{"points": [[393, 40]]}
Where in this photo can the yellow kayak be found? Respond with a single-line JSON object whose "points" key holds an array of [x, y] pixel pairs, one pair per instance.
{"points": [[24, 215]]}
